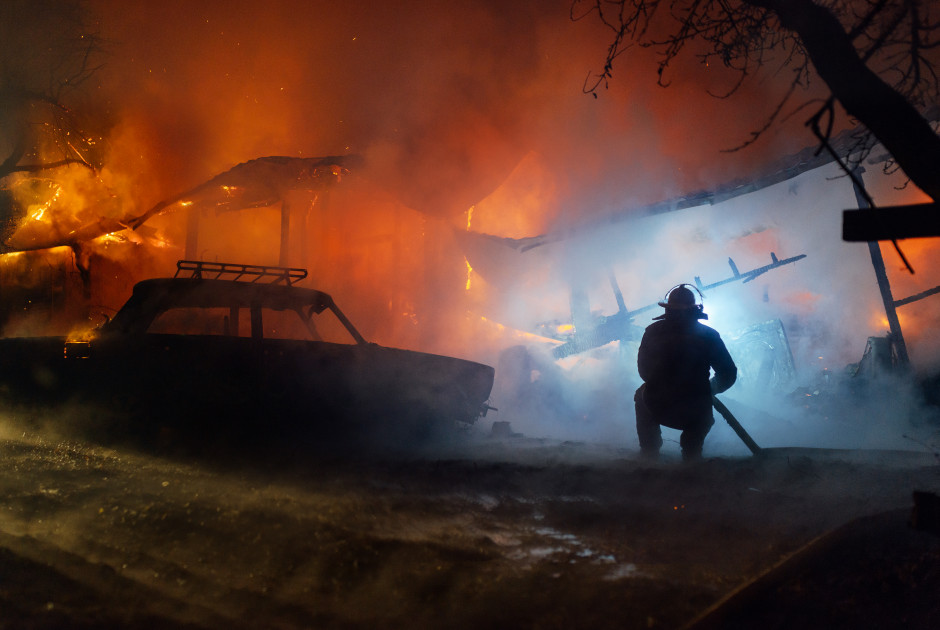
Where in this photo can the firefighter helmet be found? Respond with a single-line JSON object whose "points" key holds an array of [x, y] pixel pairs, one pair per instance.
{"points": [[681, 299]]}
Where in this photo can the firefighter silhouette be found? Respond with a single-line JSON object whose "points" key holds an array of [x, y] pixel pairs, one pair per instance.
{"points": [[676, 356]]}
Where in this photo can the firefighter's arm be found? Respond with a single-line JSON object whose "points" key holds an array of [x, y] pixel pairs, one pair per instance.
{"points": [[726, 372], [645, 359]]}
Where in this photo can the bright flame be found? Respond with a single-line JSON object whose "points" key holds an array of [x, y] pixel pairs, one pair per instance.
{"points": [[40, 212], [82, 335], [159, 241], [469, 268], [113, 237]]}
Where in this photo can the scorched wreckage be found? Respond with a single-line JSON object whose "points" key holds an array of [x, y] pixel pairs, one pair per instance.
{"points": [[234, 355]]}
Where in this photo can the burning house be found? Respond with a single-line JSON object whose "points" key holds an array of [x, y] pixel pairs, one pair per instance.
{"points": [[556, 193], [559, 314], [559, 304]]}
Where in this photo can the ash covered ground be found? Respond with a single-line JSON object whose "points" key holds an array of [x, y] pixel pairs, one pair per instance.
{"points": [[512, 532]]}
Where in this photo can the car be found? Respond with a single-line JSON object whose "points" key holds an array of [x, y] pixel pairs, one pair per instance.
{"points": [[235, 355]]}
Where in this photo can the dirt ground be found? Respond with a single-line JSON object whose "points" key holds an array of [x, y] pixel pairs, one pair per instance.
{"points": [[513, 532]]}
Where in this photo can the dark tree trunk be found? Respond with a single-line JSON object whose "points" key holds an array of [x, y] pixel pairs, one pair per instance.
{"points": [[885, 112]]}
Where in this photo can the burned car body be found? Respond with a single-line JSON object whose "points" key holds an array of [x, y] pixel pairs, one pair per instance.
{"points": [[249, 360]]}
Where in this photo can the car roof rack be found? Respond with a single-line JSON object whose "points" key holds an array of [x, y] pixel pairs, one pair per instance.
{"points": [[201, 269]]}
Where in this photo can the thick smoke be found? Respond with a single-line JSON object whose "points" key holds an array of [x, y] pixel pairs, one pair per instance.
{"points": [[444, 100], [828, 303], [445, 103]]}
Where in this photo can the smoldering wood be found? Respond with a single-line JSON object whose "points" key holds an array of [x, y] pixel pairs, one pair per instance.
{"points": [[257, 183], [593, 333]]}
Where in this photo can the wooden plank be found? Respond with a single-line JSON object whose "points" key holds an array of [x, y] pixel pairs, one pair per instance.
{"points": [[892, 222]]}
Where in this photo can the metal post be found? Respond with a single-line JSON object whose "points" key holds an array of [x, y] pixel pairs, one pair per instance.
{"points": [[878, 262]]}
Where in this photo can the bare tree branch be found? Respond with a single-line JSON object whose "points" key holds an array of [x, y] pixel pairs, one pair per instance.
{"points": [[37, 168], [48, 51], [878, 57]]}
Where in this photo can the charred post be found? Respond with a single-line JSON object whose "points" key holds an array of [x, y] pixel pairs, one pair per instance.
{"points": [[877, 261]]}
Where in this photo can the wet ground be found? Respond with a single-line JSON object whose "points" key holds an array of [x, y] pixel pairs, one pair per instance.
{"points": [[515, 532]]}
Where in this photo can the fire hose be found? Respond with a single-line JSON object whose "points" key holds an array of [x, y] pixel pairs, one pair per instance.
{"points": [[735, 425]]}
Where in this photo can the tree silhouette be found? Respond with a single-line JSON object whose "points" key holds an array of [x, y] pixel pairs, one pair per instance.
{"points": [[47, 52], [877, 57]]}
